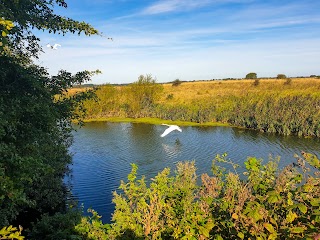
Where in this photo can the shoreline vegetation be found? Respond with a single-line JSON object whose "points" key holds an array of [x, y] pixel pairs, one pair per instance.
{"points": [[283, 106], [157, 121]]}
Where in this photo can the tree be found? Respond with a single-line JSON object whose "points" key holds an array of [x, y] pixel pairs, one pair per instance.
{"points": [[251, 75], [281, 76], [35, 114], [143, 93], [35, 131]]}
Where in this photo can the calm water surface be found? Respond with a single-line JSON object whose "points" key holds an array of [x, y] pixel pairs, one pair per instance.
{"points": [[102, 153]]}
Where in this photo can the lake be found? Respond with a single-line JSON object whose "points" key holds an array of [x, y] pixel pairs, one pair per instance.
{"points": [[103, 151]]}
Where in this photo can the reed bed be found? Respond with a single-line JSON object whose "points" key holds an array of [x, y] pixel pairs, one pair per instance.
{"points": [[281, 106]]}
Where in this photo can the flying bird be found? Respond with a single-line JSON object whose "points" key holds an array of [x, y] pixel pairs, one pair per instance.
{"points": [[170, 129], [54, 47]]}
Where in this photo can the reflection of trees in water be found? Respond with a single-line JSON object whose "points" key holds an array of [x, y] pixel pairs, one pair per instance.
{"points": [[140, 130], [207, 129], [144, 136], [284, 142], [95, 126], [144, 140]]}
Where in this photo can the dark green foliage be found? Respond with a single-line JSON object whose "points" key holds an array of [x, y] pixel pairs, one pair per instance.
{"points": [[35, 135], [251, 75], [281, 76], [58, 226], [35, 113]]}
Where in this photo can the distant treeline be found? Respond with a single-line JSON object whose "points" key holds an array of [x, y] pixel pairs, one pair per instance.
{"points": [[84, 85], [269, 108]]}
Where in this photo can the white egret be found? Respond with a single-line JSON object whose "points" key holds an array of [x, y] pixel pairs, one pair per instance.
{"points": [[54, 47], [170, 129]]}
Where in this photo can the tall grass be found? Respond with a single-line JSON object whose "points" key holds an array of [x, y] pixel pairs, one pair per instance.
{"points": [[272, 106]]}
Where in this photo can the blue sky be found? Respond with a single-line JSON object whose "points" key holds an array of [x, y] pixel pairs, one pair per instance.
{"points": [[189, 39]]}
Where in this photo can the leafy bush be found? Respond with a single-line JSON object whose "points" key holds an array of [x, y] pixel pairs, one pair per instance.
{"points": [[265, 203], [143, 93], [35, 114], [92, 227], [58, 226], [35, 133]]}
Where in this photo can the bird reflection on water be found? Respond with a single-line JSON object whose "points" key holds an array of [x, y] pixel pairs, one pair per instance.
{"points": [[172, 149]]}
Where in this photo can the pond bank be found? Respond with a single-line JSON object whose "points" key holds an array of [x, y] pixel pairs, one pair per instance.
{"points": [[158, 121]]}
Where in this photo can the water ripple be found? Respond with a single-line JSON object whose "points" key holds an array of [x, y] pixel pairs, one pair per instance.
{"points": [[103, 153]]}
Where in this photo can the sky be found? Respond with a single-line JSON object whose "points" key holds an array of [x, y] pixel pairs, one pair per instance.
{"points": [[188, 39]]}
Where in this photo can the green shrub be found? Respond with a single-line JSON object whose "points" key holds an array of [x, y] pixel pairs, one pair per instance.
{"points": [[92, 227], [267, 203], [58, 226], [143, 93]]}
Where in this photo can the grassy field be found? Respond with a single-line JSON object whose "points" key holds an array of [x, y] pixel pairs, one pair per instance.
{"points": [[202, 90], [285, 106], [199, 90]]}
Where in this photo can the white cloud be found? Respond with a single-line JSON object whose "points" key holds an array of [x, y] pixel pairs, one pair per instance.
{"points": [[173, 5], [199, 45], [230, 59]]}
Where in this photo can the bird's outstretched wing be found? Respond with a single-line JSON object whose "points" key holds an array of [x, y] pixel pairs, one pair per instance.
{"points": [[55, 46], [167, 131], [170, 129], [178, 128]]}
